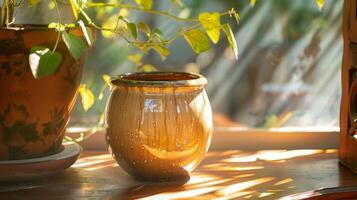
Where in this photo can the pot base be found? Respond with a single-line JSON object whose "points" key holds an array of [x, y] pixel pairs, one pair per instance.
{"points": [[31, 169]]}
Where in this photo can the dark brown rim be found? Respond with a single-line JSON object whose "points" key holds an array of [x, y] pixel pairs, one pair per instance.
{"points": [[160, 79]]}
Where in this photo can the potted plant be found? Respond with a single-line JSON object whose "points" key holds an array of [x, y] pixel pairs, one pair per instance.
{"points": [[41, 66]]}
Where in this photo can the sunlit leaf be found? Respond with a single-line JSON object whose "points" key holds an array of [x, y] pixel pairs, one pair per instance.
{"points": [[75, 44], [51, 5], [185, 13], [158, 33], [197, 40], [271, 121], [124, 12], [148, 68], [34, 2], [231, 39], [87, 33], [107, 81], [87, 97], [252, 2], [43, 61], [57, 26], [144, 48], [144, 27], [113, 22], [320, 3], [133, 30], [212, 24], [146, 4], [162, 51], [135, 58]]}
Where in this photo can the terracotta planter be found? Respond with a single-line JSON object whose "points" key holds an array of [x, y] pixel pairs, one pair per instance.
{"points": [[159, 124], [34, 112]]}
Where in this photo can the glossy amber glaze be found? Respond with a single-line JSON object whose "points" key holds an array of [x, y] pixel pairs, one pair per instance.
{"points": [[34, 112], [159, 125]]}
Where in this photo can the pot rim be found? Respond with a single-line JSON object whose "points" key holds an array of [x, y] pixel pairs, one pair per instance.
{"points": [[160, 79]]}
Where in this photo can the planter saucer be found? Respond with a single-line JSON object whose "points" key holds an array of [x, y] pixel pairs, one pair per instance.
{"points": [[35, 168]]}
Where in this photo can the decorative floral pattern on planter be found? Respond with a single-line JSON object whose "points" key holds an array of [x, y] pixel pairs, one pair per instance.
{"points": [[17, 134], [34, 112], [56, 124], [73, 75], [56, 146], [14, 64]]}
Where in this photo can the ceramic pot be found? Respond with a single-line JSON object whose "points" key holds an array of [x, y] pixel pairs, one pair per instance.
{"points": [[34, 112], [159, 124]]}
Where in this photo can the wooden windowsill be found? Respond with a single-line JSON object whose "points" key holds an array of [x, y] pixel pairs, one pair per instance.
{"points": [[250, 139], [229, 174]]}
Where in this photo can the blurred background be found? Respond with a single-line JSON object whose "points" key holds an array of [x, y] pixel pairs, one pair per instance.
{"points": [[287, 74]]}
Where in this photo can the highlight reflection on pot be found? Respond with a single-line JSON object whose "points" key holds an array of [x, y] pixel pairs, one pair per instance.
{"points": [[159, 124]]}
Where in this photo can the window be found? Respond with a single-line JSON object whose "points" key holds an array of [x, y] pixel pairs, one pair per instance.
{"points": [[287, 75]]}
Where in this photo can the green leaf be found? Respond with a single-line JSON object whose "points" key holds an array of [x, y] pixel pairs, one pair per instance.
{"points": [[75, 44], [87, 33], [144, 27], [34, 2], [87, 97], [43, 61], [212, 24], [146, 4], [158, 33], [231, 39], [162, 51], [320, 3], [197, 40], [133, 31], [252, 2], [74, 6]]}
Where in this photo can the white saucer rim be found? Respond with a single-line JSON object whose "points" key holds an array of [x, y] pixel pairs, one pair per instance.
{"points": [[70, 149]]}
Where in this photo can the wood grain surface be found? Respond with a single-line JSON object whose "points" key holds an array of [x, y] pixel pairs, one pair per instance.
{"points": [[222, 175]]}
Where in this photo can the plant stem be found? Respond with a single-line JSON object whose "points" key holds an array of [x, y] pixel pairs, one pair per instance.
{"points": [[7, 13], [128, 6], [59, 26], [138, 43]]}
